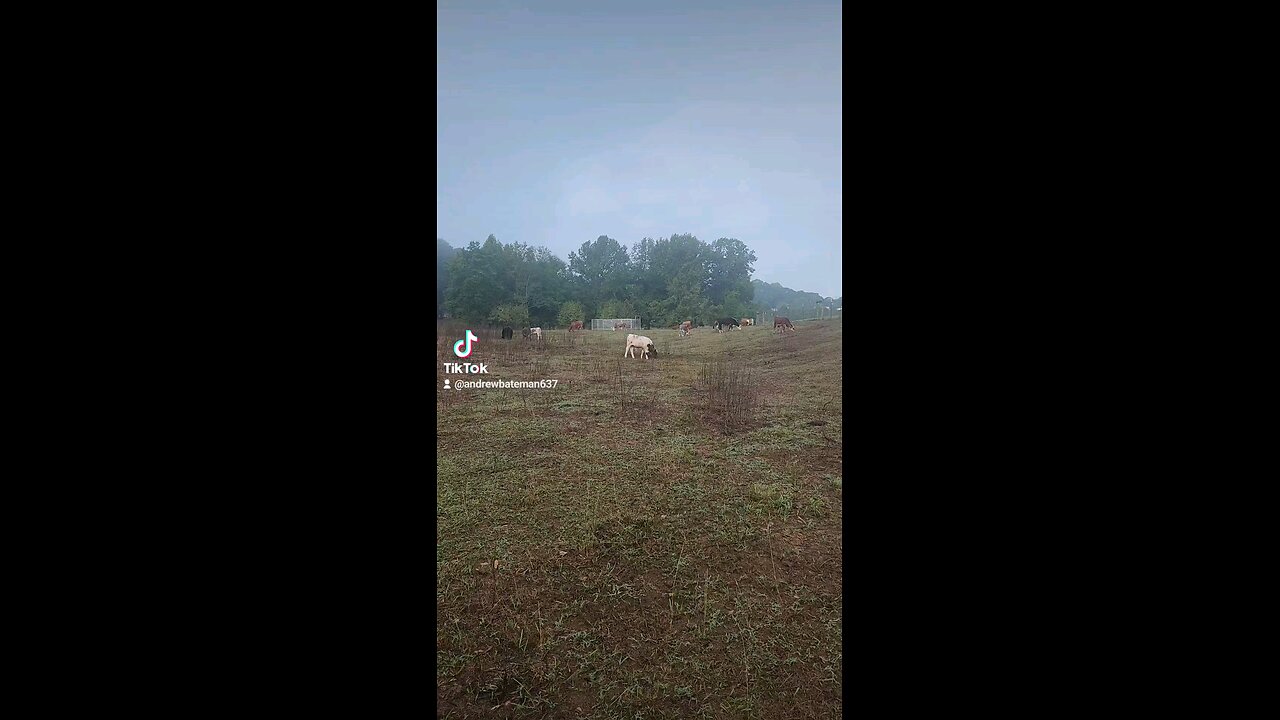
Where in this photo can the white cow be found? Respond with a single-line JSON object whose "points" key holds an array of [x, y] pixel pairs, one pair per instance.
{"points": [[644, 344], [535, 332]]}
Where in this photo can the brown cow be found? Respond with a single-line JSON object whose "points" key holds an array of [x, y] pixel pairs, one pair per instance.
{"points": [[575, 325], [685, 328], [784, 323]]}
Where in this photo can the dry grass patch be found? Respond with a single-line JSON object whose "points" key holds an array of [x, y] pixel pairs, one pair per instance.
{"points": [[646, 567]]}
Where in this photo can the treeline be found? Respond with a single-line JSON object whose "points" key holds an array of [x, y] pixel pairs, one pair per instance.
{"points": [[794, 304], [663, 282]]}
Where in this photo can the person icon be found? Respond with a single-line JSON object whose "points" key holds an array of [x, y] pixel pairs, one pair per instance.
{"points": [[446, 384]]}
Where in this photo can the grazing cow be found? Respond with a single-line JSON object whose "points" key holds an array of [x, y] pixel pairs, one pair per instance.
{"points": [[784, 323], [506, 333], [575, 325], [747, 321], [644, 344], [686, 328], [535, 332], [726, 323]]}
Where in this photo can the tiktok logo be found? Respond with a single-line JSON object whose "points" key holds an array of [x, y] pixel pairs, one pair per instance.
{"points": [[457, 347]]}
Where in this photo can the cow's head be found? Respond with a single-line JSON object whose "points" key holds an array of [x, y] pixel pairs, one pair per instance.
{"points": [[652, 351]]}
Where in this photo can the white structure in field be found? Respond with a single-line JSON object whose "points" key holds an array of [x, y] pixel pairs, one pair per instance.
{"points": [[627, 324]]}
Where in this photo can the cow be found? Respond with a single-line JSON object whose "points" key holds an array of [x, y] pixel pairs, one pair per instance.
{"points": [[686, 328], [525, 333], [535, 332], [621, 326], [784, 323], [575, 325], [506, 333], [727, 323], [747, 322], [644, 344]]}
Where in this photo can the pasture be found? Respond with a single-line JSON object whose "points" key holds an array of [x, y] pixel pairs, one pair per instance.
{"points": [[650, 539]]}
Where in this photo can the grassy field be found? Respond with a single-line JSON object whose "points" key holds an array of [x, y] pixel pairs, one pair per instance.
{"points": [[647, 540]]}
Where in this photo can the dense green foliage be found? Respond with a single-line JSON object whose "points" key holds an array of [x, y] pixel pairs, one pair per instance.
{"points": [[569, 312], [663, 282], [794, 304], [444, 253]]}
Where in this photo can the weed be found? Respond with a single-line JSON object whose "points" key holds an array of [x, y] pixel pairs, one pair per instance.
{"points": [[729, 394]]}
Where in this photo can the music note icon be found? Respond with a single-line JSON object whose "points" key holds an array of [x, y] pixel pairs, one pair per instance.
{"points": [[470, 337]]}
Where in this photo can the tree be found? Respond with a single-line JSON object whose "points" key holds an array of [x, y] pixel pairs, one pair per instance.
{"points": [[600, 270], [474, 289], [444, 253], [664, 281], [483, 277], [538, 281], [648, 284], [729, 268], [733, 305], [569, 312], [777, 296], [685, 299], [617, 309], [511, 314], [677, 278]]}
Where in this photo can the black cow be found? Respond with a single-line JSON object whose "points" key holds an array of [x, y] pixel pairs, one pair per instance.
{"points": [[506, 333], [726, 322]]}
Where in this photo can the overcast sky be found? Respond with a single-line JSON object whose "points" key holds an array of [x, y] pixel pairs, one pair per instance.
{"points": [[558, 122]]}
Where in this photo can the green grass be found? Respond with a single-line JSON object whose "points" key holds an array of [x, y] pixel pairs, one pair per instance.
{"points": [[651, 563]]}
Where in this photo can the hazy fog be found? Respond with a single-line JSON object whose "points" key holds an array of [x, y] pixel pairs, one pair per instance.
{"points": [[563, 121]]}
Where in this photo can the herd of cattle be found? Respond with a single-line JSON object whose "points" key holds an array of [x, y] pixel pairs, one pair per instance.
{"points": [[645, 345], [729, 324]]}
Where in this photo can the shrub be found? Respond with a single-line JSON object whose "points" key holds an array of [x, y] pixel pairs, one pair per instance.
{"points": [[516, 316], [728, 394]]}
